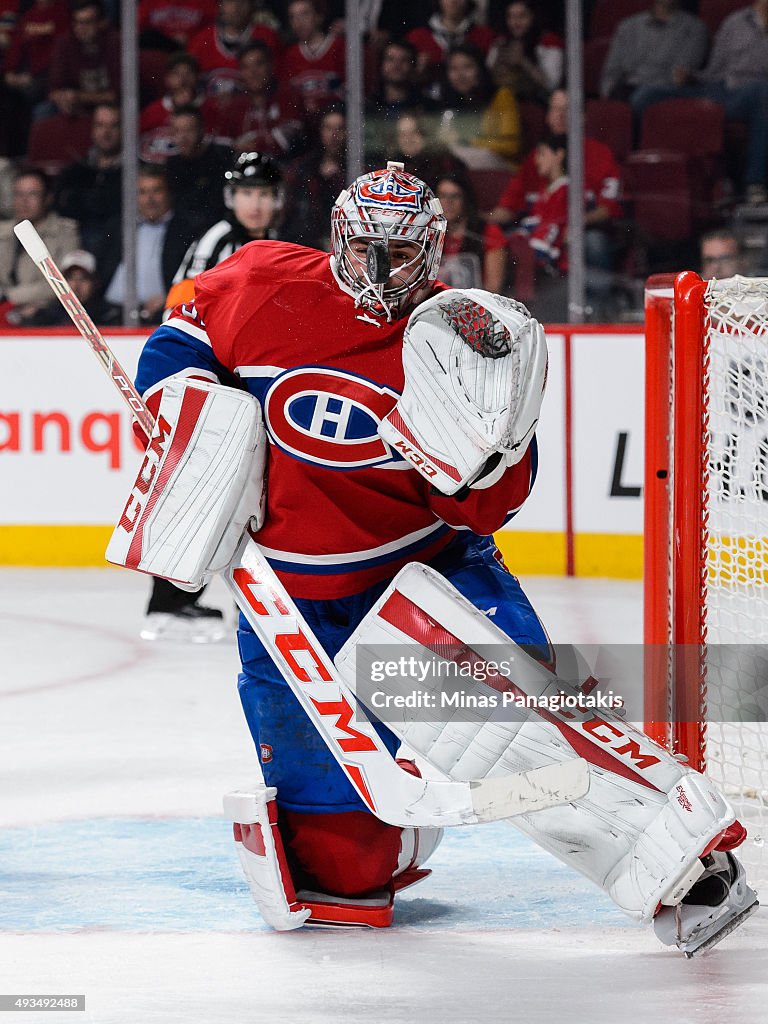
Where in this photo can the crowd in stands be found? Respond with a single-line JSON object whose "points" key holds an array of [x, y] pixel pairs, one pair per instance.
{"points": [[470, 94]]}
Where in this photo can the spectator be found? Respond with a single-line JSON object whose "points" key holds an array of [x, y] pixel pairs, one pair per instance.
{"points": [[525, 59], [29, 56], [181, 90], [263, 119], [9, 16], [414, 146], [736, 77], [217, 48], [398, 93], [740, 49], [481, 124], [23, 290], [89, 191], [85, 63], [474, 254], [721, 254], [539, 244], [546, 221], [79, 268], [398, 83], [196, 170], [6, 187], [452, 24], [164, 26], [314, 66], [163, 236], [652, 49], [602, 183], [318, 179]]}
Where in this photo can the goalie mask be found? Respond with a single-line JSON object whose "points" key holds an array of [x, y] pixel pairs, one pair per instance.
{"points": [[378, 208]]}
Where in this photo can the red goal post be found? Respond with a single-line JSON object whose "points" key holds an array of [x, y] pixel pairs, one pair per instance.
{"points": [[706, 533]]}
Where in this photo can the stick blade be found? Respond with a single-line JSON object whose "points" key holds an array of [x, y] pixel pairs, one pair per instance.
{"points": [[32, 242], [506, 796]]}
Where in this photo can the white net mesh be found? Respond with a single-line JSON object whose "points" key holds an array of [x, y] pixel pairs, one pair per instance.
{"points": [[736, 605]]}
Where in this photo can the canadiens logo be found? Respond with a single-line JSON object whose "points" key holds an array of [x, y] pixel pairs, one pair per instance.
{"points": [[329, 417], [266, 753], [391, 193]]}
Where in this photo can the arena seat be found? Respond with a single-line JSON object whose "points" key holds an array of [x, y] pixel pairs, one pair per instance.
{"points": [[532, 122], [691, 126], [610, 121], [595, 52], [57, 141], [696, 129], [606, 15], [488, 185], [659, 188], [714, 12]]}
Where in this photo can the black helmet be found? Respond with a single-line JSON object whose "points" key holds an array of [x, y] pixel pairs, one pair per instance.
{"points": [[254, 169]]}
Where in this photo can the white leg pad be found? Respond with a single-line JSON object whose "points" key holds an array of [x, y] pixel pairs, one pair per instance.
{"points": [[647, 819], [416, 847], [262, 856], [641, 848]]}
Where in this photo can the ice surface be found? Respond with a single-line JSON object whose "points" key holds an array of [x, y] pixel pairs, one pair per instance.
{"points": [[118, 878]]}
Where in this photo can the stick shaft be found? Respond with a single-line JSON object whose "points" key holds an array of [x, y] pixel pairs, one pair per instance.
{"points": [[38, 251]]}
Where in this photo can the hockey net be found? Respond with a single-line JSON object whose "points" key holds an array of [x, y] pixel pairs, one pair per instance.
{"points": [[706, 536]]}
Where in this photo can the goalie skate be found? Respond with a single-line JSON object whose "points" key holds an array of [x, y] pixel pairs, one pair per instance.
{"points": [[718, 903]]}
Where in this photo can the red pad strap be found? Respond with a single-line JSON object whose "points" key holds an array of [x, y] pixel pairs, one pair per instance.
{"points": [[733, 836], [410, 877], [374, 912]]}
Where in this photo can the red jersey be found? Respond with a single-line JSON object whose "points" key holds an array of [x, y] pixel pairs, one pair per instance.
{"points": [[315, 75], [219, 62], [546, 226], [34, 36], [602, 181], [97, 70], [156, 141], [344, 511], [437, 43], [270, 126], [176, 19]]}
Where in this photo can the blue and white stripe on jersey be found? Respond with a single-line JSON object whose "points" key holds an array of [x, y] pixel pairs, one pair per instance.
{"points": [[177, 347], [351, 561]]}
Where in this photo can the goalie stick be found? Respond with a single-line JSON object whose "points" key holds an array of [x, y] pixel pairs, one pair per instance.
{"points": [[390, 793]]}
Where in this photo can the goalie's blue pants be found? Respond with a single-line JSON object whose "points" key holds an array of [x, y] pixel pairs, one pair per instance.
{"points": [[294, 757]]}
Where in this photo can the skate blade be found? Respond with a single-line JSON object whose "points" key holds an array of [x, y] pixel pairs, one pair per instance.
{"points": [[728, 927], [161, 626]]}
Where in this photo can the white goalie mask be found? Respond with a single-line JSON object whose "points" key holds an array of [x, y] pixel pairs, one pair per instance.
{"points": [[379, 207]]}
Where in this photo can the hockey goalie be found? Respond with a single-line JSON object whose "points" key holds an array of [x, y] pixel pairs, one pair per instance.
{"points": [[370, 430]]}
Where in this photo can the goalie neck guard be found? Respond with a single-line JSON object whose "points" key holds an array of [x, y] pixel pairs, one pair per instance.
{"points": [[383, 206]]}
